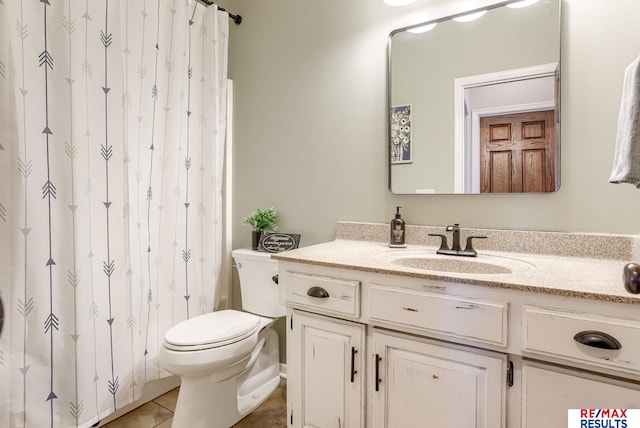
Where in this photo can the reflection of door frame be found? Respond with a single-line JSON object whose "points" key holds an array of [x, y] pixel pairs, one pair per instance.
{"points": [[459, 109], [473, 179]]}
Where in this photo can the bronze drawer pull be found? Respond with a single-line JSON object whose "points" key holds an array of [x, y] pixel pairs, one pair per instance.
{"points": [[318, 292], [597, 339]]}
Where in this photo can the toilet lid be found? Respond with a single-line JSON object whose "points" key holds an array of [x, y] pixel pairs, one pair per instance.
{"points": [[211, 330]]}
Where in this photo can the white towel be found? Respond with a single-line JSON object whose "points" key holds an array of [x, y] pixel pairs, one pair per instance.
{"points": [[626, 160]]}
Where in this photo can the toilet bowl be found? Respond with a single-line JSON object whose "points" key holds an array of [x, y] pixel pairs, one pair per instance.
{"points": [[228, 361]]}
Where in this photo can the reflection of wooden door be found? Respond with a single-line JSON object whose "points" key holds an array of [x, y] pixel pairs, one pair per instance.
{"points": [[517, 153]]}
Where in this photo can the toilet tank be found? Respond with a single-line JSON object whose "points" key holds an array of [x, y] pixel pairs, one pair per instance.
{"points": [[257, 271]]}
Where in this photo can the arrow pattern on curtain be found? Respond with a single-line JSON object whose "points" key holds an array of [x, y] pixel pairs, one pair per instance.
{"points": [[76, 406], [86, 181], [154, 97], [170, 64], [186, 253], [142, 74], [26, 304], [131, 323], [202, 210], [51, 323], [93, 309], [106, 150]]}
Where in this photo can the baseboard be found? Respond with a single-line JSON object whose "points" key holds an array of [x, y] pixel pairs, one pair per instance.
{"points": [[283, 371]]}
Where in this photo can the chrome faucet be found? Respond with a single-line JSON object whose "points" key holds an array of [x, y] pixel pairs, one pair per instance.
{"points": [[455, 249]]}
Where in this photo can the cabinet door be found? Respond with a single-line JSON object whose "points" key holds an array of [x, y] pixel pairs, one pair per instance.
{"points": [[424, 383], [325, 359], [549, 391]]}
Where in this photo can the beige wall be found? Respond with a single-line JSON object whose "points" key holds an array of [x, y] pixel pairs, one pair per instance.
{"points": [[310, 120]]}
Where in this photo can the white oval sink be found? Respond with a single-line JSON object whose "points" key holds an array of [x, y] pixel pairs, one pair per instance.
{"points": [[490, 265]]}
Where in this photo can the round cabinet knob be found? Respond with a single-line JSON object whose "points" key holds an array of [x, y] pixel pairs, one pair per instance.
{"points": [[632, 278]]}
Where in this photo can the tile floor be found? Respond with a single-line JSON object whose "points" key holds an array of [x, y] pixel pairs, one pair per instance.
{"points": [[159, 413]]}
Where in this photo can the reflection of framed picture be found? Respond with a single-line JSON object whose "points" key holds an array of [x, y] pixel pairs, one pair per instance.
{"points": [[401, 134]]}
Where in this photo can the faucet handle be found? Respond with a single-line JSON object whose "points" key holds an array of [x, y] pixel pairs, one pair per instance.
{"points": [[443, 241], [468, 250], [455, 227]]}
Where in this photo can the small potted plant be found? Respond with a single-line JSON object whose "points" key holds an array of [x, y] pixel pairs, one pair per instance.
{"points": [[262, 221]]}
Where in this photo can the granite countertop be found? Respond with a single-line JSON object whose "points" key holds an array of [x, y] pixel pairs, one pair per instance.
{"points": [[583, 277]]}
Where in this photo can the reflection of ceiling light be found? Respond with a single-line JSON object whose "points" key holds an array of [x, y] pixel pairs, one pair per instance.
{"points": [[398, 2], [470, 16], [422, 28], [523, 3]]}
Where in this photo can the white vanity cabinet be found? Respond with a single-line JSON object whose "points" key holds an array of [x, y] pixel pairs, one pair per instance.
{"points": [[548, 391], [431, 352], [419, 382], [325, 359], [337, 356], [569, 379], [325, 355]]}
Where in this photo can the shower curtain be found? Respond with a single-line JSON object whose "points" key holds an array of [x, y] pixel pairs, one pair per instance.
{"points": [[112, 138]]}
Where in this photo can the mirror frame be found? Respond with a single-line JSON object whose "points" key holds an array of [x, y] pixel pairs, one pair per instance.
{"points": [[458, 125]]}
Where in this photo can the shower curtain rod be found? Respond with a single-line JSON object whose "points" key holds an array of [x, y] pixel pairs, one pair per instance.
{"points": [[236, 18]]}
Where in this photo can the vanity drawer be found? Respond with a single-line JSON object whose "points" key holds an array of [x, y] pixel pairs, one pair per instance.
{"points": [[337, 296], [551, 332], [477, 320]]}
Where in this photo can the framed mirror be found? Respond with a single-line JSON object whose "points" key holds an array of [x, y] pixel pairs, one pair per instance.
{"points": [[474, 103]]}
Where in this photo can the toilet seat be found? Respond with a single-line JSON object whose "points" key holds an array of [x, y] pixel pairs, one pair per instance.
{"points": [[212, 330]]}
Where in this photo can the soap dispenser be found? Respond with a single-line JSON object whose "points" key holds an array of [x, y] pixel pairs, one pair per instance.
{"points": [[397, 231]]}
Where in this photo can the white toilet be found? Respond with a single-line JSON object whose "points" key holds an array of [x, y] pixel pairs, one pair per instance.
{"points": [[228, 361]]}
